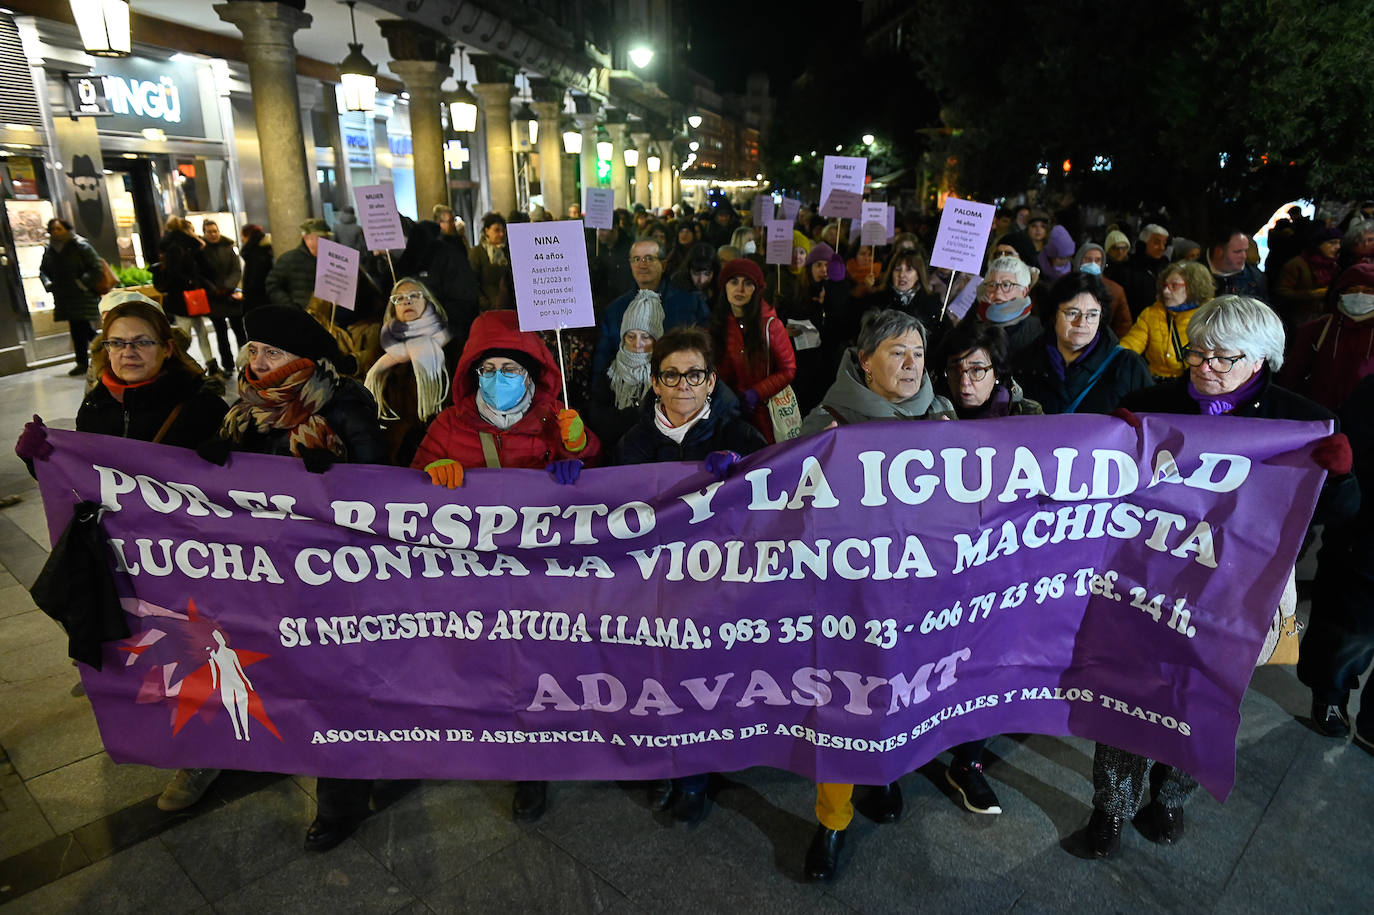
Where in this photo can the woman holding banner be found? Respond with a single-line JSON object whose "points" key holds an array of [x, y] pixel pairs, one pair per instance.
{"points": [[506, 412], [1235, 345], [882, 378], [756, 356]]}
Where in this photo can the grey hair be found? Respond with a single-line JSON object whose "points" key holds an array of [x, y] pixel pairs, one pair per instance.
{"points": [[1240, 323], [662, 251], [1013, 265], [885, 324], [1151, 230]]}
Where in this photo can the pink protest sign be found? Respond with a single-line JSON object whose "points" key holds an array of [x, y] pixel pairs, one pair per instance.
{"points": [[377, 215], [891, 221], [779, 250], [762, 209], [598, 207], [336, 273], [842, 186], [873, 228], [790, 208], [549, 264], [963, 235]]}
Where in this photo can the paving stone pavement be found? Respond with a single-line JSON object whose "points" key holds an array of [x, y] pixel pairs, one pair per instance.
{"points": [[81, 834]]}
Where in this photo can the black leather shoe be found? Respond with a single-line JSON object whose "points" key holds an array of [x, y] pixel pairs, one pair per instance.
{"points": [[1330, 720], [883, 803], [1166, 823], [325, 834], [530, 800], [690, 807], [1104, 834], [660, 794], [823, 857]]}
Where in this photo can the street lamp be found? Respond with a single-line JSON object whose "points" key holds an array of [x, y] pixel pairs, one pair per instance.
{"points": [[654, 163], [694, 121], [604, 149], [631, 158], [572, 142], [357, 74], [524, 115], [462, 104], [104, 26], [640, 56], [694, 146], [868, 139]]}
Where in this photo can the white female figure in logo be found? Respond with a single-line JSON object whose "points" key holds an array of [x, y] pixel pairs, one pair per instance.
{"points": [[226, 674]]}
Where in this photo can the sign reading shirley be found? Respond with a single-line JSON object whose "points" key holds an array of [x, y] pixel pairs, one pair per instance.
{"points": [[845, 606], [553, 287], [963, 235], [842, 186], [336, 273], [379, 218]]}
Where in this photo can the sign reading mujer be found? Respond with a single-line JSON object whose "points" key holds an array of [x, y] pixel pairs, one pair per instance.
{"points": [[844, 606]]}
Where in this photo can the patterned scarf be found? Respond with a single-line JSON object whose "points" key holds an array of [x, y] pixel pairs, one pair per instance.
{"points": [[421, 343], [290, 397]]}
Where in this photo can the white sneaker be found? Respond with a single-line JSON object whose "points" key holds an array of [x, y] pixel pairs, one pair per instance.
{"points": [[185, 788]]}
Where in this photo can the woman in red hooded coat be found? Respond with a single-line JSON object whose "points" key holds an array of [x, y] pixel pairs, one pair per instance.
{"points": [[756, 355]]}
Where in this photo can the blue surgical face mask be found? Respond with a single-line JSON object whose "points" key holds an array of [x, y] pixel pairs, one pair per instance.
{"points": [[500, 390], [1090, 267]]}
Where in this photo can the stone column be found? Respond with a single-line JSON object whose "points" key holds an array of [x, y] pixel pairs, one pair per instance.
{"points": [[665, 173], [548, 106], [270, 51], [496, 84], [586, 125], [642, 176], [620, 178], [420, 57]]}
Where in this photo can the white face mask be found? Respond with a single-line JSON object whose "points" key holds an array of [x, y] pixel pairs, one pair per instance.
{"points": [[749, 247], [1357, 304]]}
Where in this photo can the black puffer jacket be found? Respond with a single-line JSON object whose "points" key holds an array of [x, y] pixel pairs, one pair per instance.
{"points": [[1125, 373], [351, 413], [146, 408], [723, 430], [257, 263], [291, 281]]}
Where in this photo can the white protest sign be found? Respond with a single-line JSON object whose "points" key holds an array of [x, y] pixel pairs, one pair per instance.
{"points": [[336, 273], [842, 186], [962, 302], [762, 207], [598, 207], [549, 263], [963, 235], [873, 228], [377, 215], [891, 221], [790, 208], [779, 250]]}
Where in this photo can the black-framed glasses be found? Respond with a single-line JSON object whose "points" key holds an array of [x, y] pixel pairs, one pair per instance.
{"points": [[1219, 364], [486, 371], [672, 378], [1005, 286], [117, 345]]}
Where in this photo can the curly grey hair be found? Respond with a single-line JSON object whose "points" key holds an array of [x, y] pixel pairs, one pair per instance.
{"points": [[1239, 323]]}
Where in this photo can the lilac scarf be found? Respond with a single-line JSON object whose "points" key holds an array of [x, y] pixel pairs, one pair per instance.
{"points": [[1217, 404]]}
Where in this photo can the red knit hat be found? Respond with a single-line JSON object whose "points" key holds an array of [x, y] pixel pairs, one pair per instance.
{"points": [[742, 266]]}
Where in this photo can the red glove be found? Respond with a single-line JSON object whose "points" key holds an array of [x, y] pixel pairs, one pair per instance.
{"points": [[1127, 417], [1333, 454]]}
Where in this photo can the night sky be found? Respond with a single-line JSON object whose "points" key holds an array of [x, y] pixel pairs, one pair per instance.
{"points": [[732, 38]]}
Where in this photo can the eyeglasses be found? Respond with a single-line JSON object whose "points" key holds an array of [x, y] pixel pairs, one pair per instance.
{"points": [[1176, 284], [975, 372], [672, 378], [402, 298], [118, 345], [643, 258], [1004, 286], [487, 371], [1074, 316], [1219, 364]]}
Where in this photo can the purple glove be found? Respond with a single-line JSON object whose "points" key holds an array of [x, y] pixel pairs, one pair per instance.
{"points": [[566, 471], [750, 399], [718, 463], [33, 442], [836, 269]]}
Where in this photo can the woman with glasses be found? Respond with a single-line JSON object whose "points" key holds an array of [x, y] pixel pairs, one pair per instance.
{"points": [[977, 379], [507, 412], [756, 356], [1160, 334], [1076, 366], [1236, 346], [1003, 299], [410, 380], [882, 377]]}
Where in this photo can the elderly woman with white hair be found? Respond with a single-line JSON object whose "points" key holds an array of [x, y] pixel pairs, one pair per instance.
{"points": [[1235, 344], [1004, 300]]}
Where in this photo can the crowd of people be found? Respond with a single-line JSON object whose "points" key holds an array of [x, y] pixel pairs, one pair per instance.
{"points": [[703, 352]]}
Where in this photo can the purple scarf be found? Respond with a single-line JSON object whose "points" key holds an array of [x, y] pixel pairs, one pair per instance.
{"points": [[1057, 363], [999, 404], [1217, 404]]}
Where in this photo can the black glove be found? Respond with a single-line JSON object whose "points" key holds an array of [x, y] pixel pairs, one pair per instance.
{"points": [[216, 451], [317, 460]]}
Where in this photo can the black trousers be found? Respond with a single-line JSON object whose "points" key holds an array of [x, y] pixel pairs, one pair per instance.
{"points": [[83, 332]]}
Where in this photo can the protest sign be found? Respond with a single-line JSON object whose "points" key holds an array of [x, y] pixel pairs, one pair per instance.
{"points": [[549, 263], [762, 209], [963, 236], [598, 207], [842, 186], [891, 221], [790, 208], [845, 606], [377, 215], [336, 273], [779, 249], [873, 224], [962, 302]]}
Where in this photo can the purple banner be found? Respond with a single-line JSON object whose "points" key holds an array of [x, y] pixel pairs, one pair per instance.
{"points": [[844, 606]]}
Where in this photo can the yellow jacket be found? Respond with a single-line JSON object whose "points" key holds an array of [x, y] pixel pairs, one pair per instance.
{"points": [[1152, 338]]}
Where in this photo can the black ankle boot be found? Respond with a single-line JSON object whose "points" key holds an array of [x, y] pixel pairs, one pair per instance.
{"points": [[1104, 834], [530, 801], [823, 857]]}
